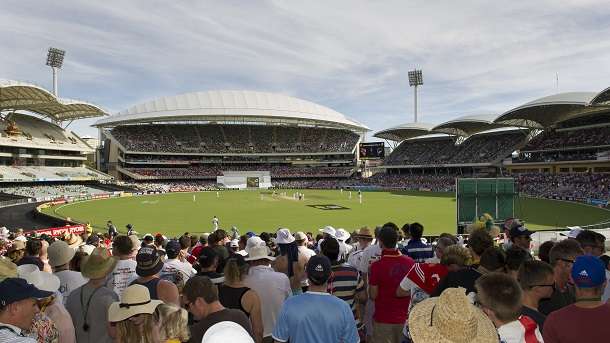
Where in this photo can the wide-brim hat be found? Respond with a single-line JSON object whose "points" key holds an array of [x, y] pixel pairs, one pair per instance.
{"points": [[74, 241], [135, 300], [226, 331], [258, 253], [149, 261], [342, 235], [450, 318], [364, 233], [301, 236], [7, 268], [16, 246], [99, 264], [284, 237], [254, 241], [60, 253], [26, 269], [329, 230], [44, 281]]}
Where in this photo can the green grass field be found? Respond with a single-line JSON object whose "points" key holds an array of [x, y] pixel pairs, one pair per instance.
{"points": [[176, 213]]}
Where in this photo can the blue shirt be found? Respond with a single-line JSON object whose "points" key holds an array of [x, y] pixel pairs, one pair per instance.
{"points": [[315, 317], [418, 250]]}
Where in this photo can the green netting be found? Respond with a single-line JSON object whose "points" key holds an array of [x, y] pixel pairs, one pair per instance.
{"points": [[478, 196]]}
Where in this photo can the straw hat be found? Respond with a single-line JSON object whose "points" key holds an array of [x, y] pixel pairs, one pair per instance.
{"points": [[98, 264], [258, 253], [73, 240], [16, 246], [7, 268], [450, 318], [60, 253], [134, 300], [42, 280], [364, 233]]}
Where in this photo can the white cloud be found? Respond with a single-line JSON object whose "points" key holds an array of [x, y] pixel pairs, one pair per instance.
{"points": [[352, 56]]}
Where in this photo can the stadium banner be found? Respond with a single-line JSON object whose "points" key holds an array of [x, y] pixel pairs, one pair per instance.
{"points": [[59, 231], [372, 151]]}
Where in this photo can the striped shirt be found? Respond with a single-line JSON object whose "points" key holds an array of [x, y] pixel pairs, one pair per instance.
{"points": [[344, 283], [418, 250]]}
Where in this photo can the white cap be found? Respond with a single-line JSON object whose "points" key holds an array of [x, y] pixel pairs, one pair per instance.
{"points": [[284, 237], [226, 331], [573, 233], [342, 235], [329, 230]]}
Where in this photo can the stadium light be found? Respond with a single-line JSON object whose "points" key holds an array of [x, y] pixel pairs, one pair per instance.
{"points": [[55, 59], [415, 79]]}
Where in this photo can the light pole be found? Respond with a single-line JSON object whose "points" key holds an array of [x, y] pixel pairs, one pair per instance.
{"points": [[415, 79], [55, 59]]}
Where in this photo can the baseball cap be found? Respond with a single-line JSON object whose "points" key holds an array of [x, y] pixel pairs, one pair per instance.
{"points": [[588, 271], [172, 247], [93, 239], [318, 269], [16, 289], [520, 230], [148, 237], [148, 261]]}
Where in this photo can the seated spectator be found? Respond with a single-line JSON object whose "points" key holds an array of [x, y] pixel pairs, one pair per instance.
{"points": [[174, 270], [234, 294], [208, 264], [125, 270], [587, 319], [148, 267], [562, 257], [499, 296], [441, 244], [272, 287], [18, 308], [520, 236], [201, 299], [32, 252], [16, 251], [416, 248], [450, 318], [536, 281], [385, 275], [316, 316], [592, 243]]}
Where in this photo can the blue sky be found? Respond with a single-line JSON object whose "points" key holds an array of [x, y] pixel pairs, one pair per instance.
{"points": [[352, 56]]}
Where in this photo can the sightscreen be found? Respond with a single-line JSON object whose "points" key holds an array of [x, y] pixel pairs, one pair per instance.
{"points": [[495, 196]]}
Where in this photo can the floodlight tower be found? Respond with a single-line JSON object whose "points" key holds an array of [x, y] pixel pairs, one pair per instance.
{"points": [[415, 79], [55, 59]]}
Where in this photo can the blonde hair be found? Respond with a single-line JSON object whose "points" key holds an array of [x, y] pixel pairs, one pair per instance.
{"points": [[172, 322], [235, 270], [456, 254]]}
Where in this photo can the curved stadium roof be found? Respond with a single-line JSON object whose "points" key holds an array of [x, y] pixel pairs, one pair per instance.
{"points": [[16, 95], [405, 131], [468, 125], [233, 106]]}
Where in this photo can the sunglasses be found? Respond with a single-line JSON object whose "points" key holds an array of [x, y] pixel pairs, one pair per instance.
{"points": [[566, 260]]}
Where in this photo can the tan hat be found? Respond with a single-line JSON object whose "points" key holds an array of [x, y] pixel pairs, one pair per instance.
{"points": [[300, 236], [259, 252], [44, 281], [98, 264], [365, 233], [26, 269], [16, 246], [450, 318], [60, 253], [73, 240], [136, 242], [7, 268], [134, 300]]}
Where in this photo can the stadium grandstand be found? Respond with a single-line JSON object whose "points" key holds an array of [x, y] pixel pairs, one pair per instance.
{"points": [[200, 135], [33, 144]]}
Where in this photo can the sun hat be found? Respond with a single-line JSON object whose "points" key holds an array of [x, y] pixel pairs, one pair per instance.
{"points": [[87, 249], [254, 241], [342, 235], [7, 268], [136, 241], [259, 252], [284, 236], [60, 253], [135, 300], [450, 318], [300, 236], [329, 230], [16, 246], [73, 240], [98, 264], [226, 331], [148, 261], [16, 289], [364, 232], [26, 269], [318, 269], [588, 271], [44, 281]]}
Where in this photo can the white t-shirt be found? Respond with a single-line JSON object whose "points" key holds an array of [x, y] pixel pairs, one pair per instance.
{"points": [[344, 250], [122, 275], [306, 251], [514, 332], [272, 288], [176, 271], [69, 280], [371, 254]]}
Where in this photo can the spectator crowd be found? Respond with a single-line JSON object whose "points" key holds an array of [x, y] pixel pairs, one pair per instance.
{"points": [[386, 284]]}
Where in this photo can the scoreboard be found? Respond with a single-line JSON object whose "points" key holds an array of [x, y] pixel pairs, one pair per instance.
{"points": [[372, 151]]}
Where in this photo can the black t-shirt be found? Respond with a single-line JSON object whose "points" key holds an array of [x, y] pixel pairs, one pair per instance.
{"points": [[223, 255], [557, 300], [538, 317], [230, 315], [462, 278]]}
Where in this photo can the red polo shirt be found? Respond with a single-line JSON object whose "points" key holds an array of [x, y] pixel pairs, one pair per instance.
{"points": [[386, 274]]}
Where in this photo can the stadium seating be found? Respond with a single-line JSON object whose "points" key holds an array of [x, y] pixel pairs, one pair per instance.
{"points": [[40, 191], [233, 139], [43, 173], [212, 171]]}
